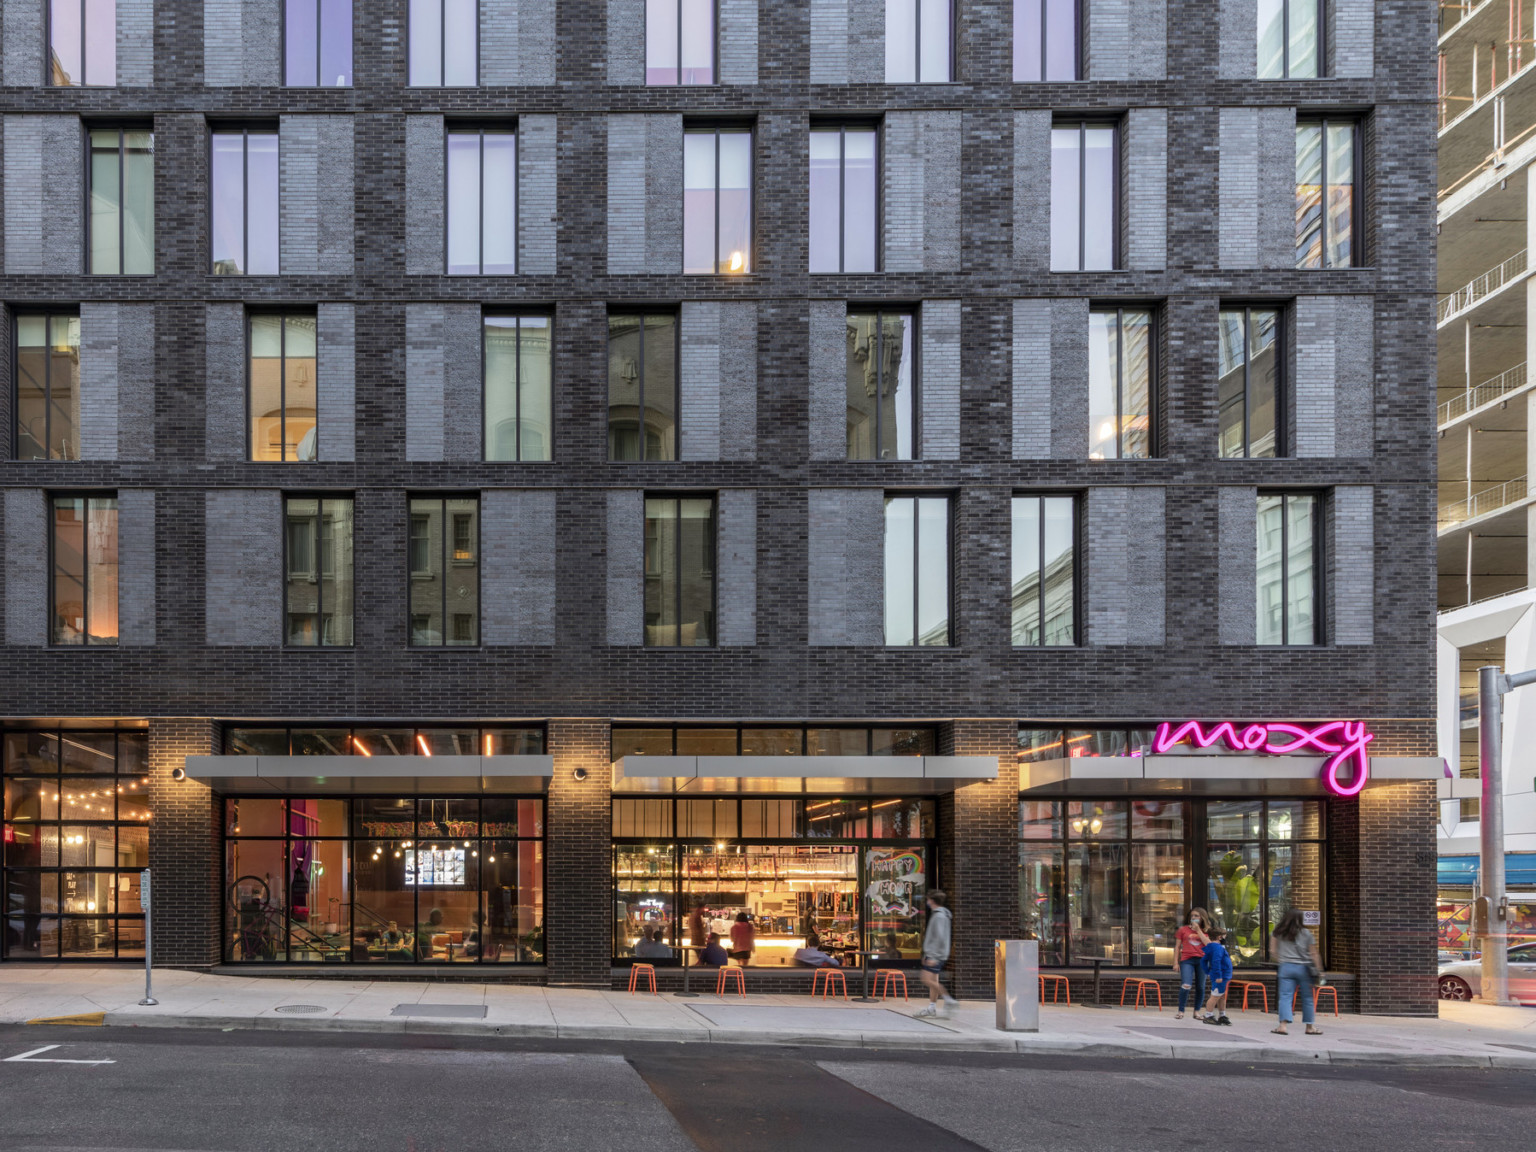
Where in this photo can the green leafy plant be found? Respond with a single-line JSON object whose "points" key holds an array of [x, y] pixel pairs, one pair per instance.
{"points": [[1236, 905]]}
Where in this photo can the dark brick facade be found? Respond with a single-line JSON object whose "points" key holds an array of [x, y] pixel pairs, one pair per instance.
{"points": [[1383, 913]]}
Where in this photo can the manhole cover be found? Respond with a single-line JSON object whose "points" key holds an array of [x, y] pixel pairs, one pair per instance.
{"points": [[299, 1009]]}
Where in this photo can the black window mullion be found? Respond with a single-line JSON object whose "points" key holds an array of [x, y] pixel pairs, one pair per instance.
{"points": [[1322, 160], [1285, 37], [1082, 196], [1119, 383], [842, 197], [1245, 335], [517, 391], [714, 139], [640, 396]]}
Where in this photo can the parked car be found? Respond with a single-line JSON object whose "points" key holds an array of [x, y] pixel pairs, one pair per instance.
{"points": [[1462, 979]]}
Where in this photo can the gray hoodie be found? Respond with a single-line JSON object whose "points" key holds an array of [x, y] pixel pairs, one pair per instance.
{"points": [[936, 939]]}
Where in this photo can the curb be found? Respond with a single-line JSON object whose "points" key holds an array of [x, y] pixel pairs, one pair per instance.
{"points": [[1129, 1049]]}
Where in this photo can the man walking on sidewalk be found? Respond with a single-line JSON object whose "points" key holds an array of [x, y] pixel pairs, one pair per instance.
{"points": [[936, 943]]}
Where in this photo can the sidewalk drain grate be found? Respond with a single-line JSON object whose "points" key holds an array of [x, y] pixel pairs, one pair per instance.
{"points": [[299, 1009], [458, 1011]]}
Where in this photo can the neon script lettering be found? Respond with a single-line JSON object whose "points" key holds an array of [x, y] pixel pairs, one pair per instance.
{"points": [[1344, 741]]}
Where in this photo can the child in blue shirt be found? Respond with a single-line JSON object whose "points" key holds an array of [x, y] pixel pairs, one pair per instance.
{"points": [[1218, 975]]}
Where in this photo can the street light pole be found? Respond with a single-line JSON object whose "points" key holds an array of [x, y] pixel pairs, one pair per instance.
{"points": [[1492, 685]]}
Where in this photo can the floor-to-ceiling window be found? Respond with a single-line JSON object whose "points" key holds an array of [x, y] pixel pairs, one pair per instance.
{"points": [[76, 836]]}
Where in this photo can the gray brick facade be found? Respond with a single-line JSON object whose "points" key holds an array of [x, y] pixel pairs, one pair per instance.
{"points": [[117, 382], [625, 540], [23, 52], [736, 565], [1127, 39], [517, 577], [939, 386], [626, 42], [135, 43], [443, 407], [738, 41], [1146, 188], [315, 187], [1237, 564], [517, 42], [845, 573], [1353, 37], [645, 194], [242, 43], [336, 381], [1335, 385], [1126, 566], [137, 545], [26, 567], [847, 41], [537, 183], [44, 228], [224, 383], [1031, 379], [921, 177], [1351, 564], [1031, 180], [717, 414], [1256, 208], [424, 188], [243, 534], [828, 355]]}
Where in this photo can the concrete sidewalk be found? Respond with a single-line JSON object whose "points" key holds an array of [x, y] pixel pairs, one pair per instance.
{"points": [[1465, 1035]]}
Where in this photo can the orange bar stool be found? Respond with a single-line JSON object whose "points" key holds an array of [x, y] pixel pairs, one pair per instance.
{"points": [[1317, 994], [1252, 986], [635, 972], [1142, 985], [726, 974], [885, 982], [1059, 984], [822, 982]]}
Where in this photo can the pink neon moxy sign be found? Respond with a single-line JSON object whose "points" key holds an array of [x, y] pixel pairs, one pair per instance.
{"points": [[1344, 742]]}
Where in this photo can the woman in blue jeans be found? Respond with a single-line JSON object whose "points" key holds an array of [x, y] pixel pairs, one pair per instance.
{"points": [[1190, 942], [1296, 950]]}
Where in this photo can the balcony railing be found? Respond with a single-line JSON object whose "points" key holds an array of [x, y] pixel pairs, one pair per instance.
{"points": [[1469, 295], [1485, 393], [1455, 13], [1486, 501]]}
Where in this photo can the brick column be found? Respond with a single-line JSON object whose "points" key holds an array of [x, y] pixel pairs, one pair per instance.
{"points": [[978, 853], [578, 857], [187, 874]]}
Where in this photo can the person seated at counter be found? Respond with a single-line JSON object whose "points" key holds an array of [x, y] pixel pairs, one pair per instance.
{"points": [[813, 957], [650, 946], [391, 935], [889, 950], [714, 954]]}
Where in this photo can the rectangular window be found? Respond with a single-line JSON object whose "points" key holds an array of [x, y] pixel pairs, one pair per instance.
{"points": [[82, 42], [47, 386], [1248, 386], [445, 38], [83, 593], [122, 215], [283, 395], [919, 42], [717, 201], [318, 589], [245, 202], [642, 387], [917, 571], [1289, 568], [1327, 163], [679, 41], [76, 835], [482, 201], [679, 571], [882, 386], [1085, 179], [445, 576], [1121, 371], [317, 43], [1044, 571], [519, 419], [1046, 36], [1290, 39], [845, 198]]}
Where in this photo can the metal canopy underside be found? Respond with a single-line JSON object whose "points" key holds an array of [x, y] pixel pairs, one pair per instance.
{"points": [[913, 775], [364, 775], [1207, 775]]}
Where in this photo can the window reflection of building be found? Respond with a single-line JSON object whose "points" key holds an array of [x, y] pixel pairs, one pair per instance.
{"points": [[518, 404], [318, 588], [679, 570], [444, 570], [1044, 599], [881, 393], [642, 387]]}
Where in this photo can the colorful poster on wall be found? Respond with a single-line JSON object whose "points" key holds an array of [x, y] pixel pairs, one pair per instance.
{"points": [[895, 882]]}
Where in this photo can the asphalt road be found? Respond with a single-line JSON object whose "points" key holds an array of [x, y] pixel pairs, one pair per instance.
{"points": [[193, 1091]]}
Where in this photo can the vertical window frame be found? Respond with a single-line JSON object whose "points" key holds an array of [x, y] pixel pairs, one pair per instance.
{"points": [[49, 316], [1117, 197], [917, 558], [1282, 380], [85, 496], [1319, 564], [643, 390], [676, 498], [316, 540], [85, 81], [913, 316], [284, 316], [122, 199], [518, 315], [843, 127], [717, 130], [1154, 329], [441, 564], [320, 47], [1077, 37], [714, 66], [480, 131], [442, 48], [1078, 581], [917, 43], [245, 132], [1321, 50], [1357, 190]]}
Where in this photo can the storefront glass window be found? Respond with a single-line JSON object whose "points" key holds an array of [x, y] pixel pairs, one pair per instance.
{"points": [[385, 879], [684, 888], [76, 836], [384, 742], [783, 740], [1263, 859]]}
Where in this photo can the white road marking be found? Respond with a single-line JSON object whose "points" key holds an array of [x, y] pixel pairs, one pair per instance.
{"points": [[30, 1058]]}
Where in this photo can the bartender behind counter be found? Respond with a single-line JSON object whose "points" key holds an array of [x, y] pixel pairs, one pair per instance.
{"points": [[743, 938]]}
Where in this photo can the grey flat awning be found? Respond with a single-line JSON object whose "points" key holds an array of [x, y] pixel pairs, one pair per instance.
{"points": [[1206, 774], [909, 774], [301, 775]]}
